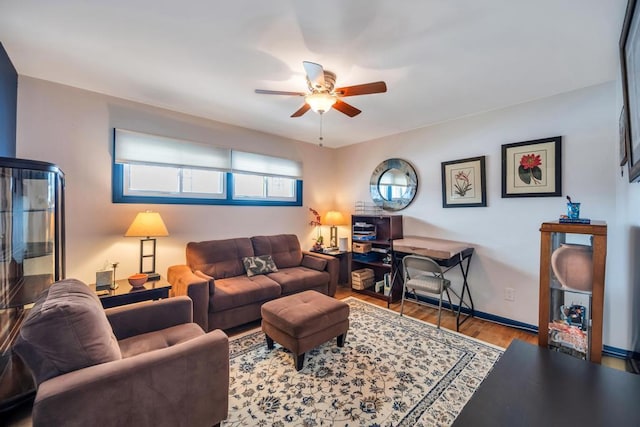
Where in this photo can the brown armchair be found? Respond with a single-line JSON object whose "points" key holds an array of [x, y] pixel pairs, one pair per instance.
{"points": [[141, 364]]}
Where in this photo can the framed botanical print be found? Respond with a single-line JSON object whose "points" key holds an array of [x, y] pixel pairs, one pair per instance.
{"points": [[532, 168], [623, 137], [630, 67], [464, 183]]}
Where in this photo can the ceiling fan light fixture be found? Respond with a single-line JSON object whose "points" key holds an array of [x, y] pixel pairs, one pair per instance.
{"points": [[320, 102]]}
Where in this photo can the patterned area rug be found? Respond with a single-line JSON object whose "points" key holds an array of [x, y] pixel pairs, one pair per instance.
{"points": [[392, 370]]}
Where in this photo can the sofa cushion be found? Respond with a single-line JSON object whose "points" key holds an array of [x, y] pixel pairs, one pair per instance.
{"points": [[313, 262], [297, 279], [219, 258], [283, 248], [156, 340], [242, 290], [66, 330], [261, 264]]}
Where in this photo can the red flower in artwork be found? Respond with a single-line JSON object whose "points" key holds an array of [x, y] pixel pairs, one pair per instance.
{"points": [[530, 161], [529, 170]]}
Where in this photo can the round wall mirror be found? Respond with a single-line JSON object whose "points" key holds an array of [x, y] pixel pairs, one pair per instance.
{"points": [[393, 184]]}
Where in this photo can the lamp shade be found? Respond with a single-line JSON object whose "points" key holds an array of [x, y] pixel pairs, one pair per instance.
{"points": [[334, 218], [320, 102], [147, 224]]}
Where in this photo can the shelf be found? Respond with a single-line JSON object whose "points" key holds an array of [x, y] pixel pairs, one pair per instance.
{"points": [[581, 339], [372, 263], [386, 228], [373, 242], [373, 293], [558, 287]]}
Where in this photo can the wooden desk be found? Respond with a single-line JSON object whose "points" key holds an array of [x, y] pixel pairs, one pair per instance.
{"points": [[533, 386], [127, 294], [448, 254]]}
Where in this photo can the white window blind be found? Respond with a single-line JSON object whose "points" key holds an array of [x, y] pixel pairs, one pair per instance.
{"points": [[267, 165], [135, 147]]}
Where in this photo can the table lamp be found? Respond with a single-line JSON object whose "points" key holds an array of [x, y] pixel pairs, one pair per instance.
{"points": [[334, 218], [148, 224]]}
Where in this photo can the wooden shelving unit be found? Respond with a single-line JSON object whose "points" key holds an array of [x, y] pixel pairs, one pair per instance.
{"points": [[556, 300], [386, 228]]}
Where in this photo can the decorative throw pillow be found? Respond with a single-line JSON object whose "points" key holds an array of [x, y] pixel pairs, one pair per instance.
{"points": [[262, 264], [314, 262], [66, 330]]}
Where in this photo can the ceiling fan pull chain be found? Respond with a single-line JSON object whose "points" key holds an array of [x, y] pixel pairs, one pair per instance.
{"points": [[321, 138]]}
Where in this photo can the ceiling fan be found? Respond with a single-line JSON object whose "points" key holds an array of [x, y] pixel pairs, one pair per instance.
{"points": [[322, 95]]}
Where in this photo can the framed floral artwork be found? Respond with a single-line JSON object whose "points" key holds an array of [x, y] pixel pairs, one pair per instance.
{"points": [[532, 168], [623, 137], [630, 67], [464, 183]]}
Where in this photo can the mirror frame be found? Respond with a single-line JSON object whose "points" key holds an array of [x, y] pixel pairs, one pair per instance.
{"points": [[374, 184]]}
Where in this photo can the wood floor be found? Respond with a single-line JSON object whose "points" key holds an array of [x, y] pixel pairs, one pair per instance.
{"points": [[490, 332], [483, 330]]}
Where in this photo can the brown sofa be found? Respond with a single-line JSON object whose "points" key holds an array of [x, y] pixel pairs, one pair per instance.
{"points": [[223, 293]]}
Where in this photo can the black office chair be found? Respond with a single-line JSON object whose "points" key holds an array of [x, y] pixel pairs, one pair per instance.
{"points": [[425, 275]]}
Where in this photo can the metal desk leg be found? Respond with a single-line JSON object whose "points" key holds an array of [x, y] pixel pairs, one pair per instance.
{"points": [[465, 288]]}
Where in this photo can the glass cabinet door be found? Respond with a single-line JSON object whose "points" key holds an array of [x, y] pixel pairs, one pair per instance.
{"points": [[31, 257], [571, 287]]}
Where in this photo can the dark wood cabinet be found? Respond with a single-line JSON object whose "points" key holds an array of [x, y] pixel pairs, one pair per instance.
{"points": [[376, 233]]}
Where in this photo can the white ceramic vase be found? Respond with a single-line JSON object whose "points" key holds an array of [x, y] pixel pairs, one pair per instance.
{"points": [[572, 265]]}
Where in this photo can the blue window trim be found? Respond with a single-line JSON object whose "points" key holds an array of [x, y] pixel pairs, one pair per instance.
{"points": [[118, 195]]}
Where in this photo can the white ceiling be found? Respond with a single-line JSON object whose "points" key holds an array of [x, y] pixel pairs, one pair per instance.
{"points": [[441, 59]]}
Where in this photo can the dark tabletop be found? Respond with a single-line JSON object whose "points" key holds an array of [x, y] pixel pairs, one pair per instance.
{"points": [[534, 386]]}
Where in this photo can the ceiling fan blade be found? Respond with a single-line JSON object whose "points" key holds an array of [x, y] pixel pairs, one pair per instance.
{"points": [[279, 92], [315, 74], [345, 108], [363, 89], [301, 110]]}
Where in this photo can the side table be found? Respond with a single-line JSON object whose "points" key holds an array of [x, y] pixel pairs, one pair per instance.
{"points": [[127, 294], [345, 264]]}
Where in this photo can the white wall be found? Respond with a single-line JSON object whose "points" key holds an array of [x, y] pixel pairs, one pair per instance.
{"points": [[73, 129], [506, 232]]}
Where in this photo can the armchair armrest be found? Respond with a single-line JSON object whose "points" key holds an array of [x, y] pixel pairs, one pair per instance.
{"points": [[165, 388], [143, 317], [333, 268], [196, 286]]}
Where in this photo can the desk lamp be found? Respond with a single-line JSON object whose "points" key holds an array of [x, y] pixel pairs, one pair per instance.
{"points": [[334, 218], [148, 224]]}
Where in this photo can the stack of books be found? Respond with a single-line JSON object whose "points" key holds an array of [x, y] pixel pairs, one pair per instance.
{"points": [[564, 220]]}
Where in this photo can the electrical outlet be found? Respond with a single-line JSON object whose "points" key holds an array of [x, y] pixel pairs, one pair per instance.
{"points": [[509, 294]]}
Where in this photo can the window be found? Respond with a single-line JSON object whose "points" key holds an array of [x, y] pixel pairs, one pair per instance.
{"points": [[155, 169], [258, 187], [151, 180]]}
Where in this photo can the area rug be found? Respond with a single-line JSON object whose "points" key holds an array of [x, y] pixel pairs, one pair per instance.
{"points": [[392, 371]]}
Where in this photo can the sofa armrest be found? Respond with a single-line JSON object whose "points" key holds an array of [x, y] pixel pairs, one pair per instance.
{"points": [[194, 285], [160, 388], [180, 277], [199, 294], [333, 268], [143, 317]]}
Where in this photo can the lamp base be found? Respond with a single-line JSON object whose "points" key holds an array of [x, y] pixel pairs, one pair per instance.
{"points": [[151, 277]]}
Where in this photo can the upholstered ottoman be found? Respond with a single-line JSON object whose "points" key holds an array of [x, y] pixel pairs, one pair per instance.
{"points": [[303, 321]]}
